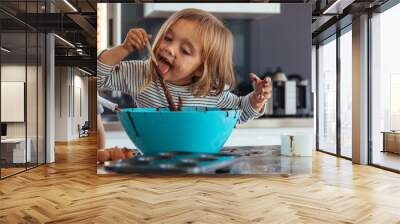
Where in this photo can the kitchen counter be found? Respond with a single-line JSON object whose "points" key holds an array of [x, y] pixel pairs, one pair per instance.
{"points": [[278, 122], [260, 160], [263, 122]]}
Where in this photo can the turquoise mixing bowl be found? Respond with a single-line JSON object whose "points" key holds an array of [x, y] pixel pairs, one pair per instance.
{"points": [[194, 129]]}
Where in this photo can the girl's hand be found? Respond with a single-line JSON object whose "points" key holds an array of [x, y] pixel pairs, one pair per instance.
{"points": [[135, 39], [116, 108], [262, 91]]}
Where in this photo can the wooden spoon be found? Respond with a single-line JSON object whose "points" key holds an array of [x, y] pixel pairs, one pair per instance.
{"points": [[171, 104]]}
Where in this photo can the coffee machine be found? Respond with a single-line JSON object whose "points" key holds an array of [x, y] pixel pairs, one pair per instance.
{"points": [[291, 96]]}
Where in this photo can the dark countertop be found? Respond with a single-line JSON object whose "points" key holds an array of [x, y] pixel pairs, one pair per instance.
{"points": [[267, 160], [259, 160]]}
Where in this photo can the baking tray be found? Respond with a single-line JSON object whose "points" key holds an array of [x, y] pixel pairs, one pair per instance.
{"points": [[177, 162]]}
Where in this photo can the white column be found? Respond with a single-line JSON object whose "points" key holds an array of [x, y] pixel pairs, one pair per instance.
{"points": [[360, 90], [50, 99]]}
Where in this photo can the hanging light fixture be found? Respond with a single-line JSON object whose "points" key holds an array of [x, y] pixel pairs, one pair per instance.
{"points": [[70, 5], [5, 50]]}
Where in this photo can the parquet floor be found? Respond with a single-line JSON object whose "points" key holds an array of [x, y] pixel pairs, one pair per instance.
{"points": [[69, 191], [9, 171]]}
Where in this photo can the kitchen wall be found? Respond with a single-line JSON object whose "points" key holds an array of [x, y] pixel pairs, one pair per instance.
{"points": [[283, 40], [261, 44]]}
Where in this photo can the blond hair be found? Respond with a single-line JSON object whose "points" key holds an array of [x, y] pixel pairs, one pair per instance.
{"points": [[216, 70]]}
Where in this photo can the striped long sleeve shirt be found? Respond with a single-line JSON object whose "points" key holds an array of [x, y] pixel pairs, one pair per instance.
{"points": [[128, 77]]}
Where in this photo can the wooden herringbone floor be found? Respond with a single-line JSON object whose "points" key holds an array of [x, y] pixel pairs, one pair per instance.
{"points": [[69, 191]]}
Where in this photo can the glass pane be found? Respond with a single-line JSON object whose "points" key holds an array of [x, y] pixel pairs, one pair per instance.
{"points": [[22, 67], [13, 85], [386, 88], [327, 96], [31, 97], [31, 84], [346, 94]]}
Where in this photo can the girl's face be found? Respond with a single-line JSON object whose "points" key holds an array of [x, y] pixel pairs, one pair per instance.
{"points": [[179, 52]]}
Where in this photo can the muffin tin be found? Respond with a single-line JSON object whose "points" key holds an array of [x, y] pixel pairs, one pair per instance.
{"points": [[177, 162]]}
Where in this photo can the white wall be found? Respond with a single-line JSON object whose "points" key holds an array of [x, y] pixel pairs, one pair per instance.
{"points": [[69, 85], [80, 100], [61, 104], [14, 73]]}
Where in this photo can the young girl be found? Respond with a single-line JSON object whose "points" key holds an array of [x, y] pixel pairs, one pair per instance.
{"points": [[194, 54]]}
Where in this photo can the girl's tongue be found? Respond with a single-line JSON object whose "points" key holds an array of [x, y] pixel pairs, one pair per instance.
{"points": [[164, 67]]}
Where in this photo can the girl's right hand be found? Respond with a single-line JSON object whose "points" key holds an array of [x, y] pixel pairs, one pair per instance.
{"points": [[136, 39]]}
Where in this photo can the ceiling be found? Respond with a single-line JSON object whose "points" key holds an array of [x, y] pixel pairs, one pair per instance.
{"points": [[72, 20], [332, 15]]}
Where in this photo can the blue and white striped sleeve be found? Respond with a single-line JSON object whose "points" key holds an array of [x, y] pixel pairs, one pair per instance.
{"points": [[230, 100], [127, 76]]}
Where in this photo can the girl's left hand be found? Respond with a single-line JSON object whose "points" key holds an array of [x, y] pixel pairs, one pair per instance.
{"points": [[262, 91]]}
